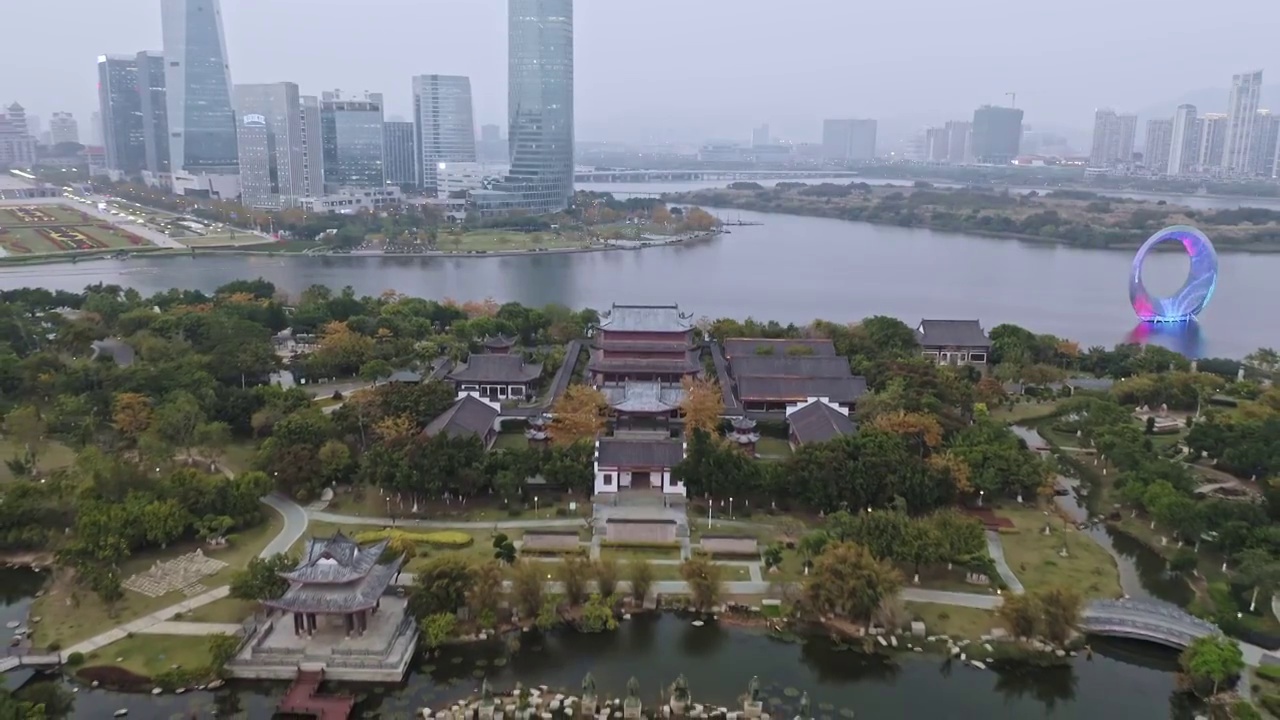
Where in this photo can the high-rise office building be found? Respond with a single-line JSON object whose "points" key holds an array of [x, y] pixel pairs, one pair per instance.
{"points": [[312, 147], [492, 147], [17, 146], [958, 139], [63, 128], [849, 139], [935, 145], [121, 109], [1183, 142], [270, 142], [443, 125], [760, 136], [202, 124], [1265, 130], [1212, 132], [1242, 116], [1113, 137], [1159, 140], [399, 153], [539, 108], [155, 110], [997, 134], [351, 139]]}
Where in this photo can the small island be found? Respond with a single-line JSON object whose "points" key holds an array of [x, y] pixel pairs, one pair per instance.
{"points": [[1070, 217]]}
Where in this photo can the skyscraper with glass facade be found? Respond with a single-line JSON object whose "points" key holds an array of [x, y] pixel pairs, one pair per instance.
{"points": [[398, 153], [202, 124], [271, 145], [443, 126], [352, 141], [155, 110], [539, 108]]}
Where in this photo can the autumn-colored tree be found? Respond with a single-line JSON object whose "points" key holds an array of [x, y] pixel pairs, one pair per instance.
{"points": [[702, 406], [922, 428], [343, 348], [394, 427], [699, 220], [990, 391], [131, 414], [579, 414], [660, 215], [952, 468]]}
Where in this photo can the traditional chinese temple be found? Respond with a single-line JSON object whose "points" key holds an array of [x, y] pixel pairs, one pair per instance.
{"points": [[652, 343], [339, 580]]}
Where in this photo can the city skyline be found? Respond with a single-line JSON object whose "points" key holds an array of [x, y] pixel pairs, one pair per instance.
{"points": [[776, 90]]}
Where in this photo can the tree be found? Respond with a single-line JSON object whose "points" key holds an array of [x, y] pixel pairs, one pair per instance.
{"points": [[960, 536], [923, 430], [1022, 614], [640, 574], [607, 572], [163, 520], [703, 577], [920, 546], [574, 573], [441, 587], [1060, 612], [213, 438], [436, 629], [811, 546], [222, 649], [375, 370], [402, 545], [1257, 567], [579, 414], [1213, 658], [848, 582], [772, 557], [260, 580], [702, 406], [131, 414], [336, 465], [527, 590], [177, 419], [485, 592]]}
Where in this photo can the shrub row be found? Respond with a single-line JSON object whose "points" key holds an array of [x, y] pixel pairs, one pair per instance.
{"points": [[450, 539], [640, 545]]}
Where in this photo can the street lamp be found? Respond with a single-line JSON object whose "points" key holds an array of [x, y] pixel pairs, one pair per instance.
{"points": [[535, 505], [710, 502], [980, 494], [730, 508]]}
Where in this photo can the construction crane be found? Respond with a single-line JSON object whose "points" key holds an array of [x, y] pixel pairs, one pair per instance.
{"points": [[1013, 99]]}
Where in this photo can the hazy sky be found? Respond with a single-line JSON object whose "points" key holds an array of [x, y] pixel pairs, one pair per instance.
{"points": [[693, 69]]}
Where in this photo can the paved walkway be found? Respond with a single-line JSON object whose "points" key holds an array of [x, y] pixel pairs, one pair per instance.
{"points": [[178, 627], [995, 548], [339, 519]]}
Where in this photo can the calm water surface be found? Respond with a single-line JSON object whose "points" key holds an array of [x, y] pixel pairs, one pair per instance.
{"points": [[792, 269]]}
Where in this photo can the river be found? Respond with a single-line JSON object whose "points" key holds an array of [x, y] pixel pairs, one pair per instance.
{"points": [[1124, 679], [792, 269]]}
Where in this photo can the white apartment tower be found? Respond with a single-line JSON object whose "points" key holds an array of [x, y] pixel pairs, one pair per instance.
{"points": [[1159, 140], [1242, 116], [1182, 146], [444, 131], [1113, 137]]}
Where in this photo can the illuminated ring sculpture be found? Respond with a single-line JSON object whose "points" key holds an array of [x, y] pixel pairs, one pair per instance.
{"points": [[1196, 291]]}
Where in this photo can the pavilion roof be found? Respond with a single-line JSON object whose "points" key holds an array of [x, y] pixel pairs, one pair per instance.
{"points": [[497, 369], [361, 594], [336, 560], [646, 318], [643, 396]]}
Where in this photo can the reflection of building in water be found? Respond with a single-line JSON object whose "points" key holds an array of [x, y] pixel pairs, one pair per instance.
{"points": [[1184, 338]]}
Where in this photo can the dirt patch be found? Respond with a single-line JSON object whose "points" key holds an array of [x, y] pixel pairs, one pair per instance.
{"points": [[114, 678], [37, 559]]}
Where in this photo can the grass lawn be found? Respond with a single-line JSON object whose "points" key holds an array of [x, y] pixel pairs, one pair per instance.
{"points": [[773, 446], [226, 610], [53, 456], [955, 621], [624, 554], [225, 240], [1034, 557], [511, 441], [150, 655], [238, 457], [507, 241], [58, 229], [483, 509], [71, 613], [1022, 411]]}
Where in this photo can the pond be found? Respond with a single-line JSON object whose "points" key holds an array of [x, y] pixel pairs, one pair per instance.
{"points": [[1124, 679]]}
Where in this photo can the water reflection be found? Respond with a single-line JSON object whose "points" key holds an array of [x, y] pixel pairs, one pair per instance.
{"points": [[1184, 338], [1047, 686]]}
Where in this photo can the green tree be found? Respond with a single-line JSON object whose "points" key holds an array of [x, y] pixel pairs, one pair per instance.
{"points": [[1212, 659], [436, 629], [574, 572], [1060, 613], [485, 592], [222, 649], [848, 582], [1257, 567], [212, 438], [703, 577], [26, 428], [772, 557], [163, 521], [527, 589], [607, 573], [920, 546], [177, 419], [640, 575], [1022, 614], [260, 580], [441, 587]]}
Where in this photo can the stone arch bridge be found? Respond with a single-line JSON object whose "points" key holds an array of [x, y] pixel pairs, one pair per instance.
{"points": [[1149, 620]]}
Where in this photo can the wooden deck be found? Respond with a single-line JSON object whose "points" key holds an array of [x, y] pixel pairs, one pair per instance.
{"points": [[304, 698]]}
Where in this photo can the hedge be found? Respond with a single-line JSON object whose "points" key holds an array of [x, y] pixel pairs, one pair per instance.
{"points": [[639, 545], [553, 552], [452, 539]]}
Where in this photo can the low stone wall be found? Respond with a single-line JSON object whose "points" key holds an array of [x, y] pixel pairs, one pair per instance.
{"points": [[730, 546], [544, 541], [641, 531]]}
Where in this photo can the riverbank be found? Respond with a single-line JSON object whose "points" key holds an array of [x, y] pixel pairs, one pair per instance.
{"points": [[1070, 218]]}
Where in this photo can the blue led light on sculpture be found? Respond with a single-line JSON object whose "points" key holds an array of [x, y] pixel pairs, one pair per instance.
{"points": [[1196, 291]]}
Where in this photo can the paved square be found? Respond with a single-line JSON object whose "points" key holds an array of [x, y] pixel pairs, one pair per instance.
{"points": [[181, 573]]}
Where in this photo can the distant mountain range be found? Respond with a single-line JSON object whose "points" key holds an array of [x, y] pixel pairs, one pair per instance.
{"points": [[1209, 100]]}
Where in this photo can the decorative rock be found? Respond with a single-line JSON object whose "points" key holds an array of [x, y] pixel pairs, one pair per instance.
{"points": [[893, 640], [121, 712], [979, 664], [882, 641], [215, 684], [698, 623], [94, 684], [917, 628], [12, 624], [917, 649], [999, 633], [425, 713], [156, 691], [986, 646], [179, 691]]}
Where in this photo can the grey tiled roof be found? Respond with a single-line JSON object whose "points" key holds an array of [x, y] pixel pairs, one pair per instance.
{"points": [[819, 422], [793, 389], [496, 369], [789, 366], [466, 417], [952, 333], [334, 560], [614, 452], [612, 344], [361, 594], [740, 347], [499, 341], [646, 318], [643, 365], [114, 348], [644, 397], [403, 376]]}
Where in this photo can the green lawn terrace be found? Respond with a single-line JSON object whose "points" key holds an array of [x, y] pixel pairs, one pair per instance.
{"points": [[47, 229]]}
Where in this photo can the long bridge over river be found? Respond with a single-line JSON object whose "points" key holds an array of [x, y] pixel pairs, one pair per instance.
{"points": [[645, 176], [1148, 620]]}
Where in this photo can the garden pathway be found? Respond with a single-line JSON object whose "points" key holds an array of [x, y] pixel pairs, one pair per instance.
{"points": [[995, 548], [178, 627]]}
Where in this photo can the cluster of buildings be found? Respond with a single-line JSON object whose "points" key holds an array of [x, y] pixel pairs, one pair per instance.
{"points": [[175, 119], [21, 134], [1240, 143]]}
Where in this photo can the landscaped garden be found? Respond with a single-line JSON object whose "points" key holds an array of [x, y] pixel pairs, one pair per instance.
{"points": [[45, 229]]}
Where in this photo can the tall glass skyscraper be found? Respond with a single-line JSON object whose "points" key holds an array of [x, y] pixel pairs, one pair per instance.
{"points": [[272, 173], [120, 106], [443, 126], [539, 107], [202, 124], [352, 141], [155, 110]]}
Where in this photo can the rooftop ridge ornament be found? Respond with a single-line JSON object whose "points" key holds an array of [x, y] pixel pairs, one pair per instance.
{"points": [[1195, 293]]}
